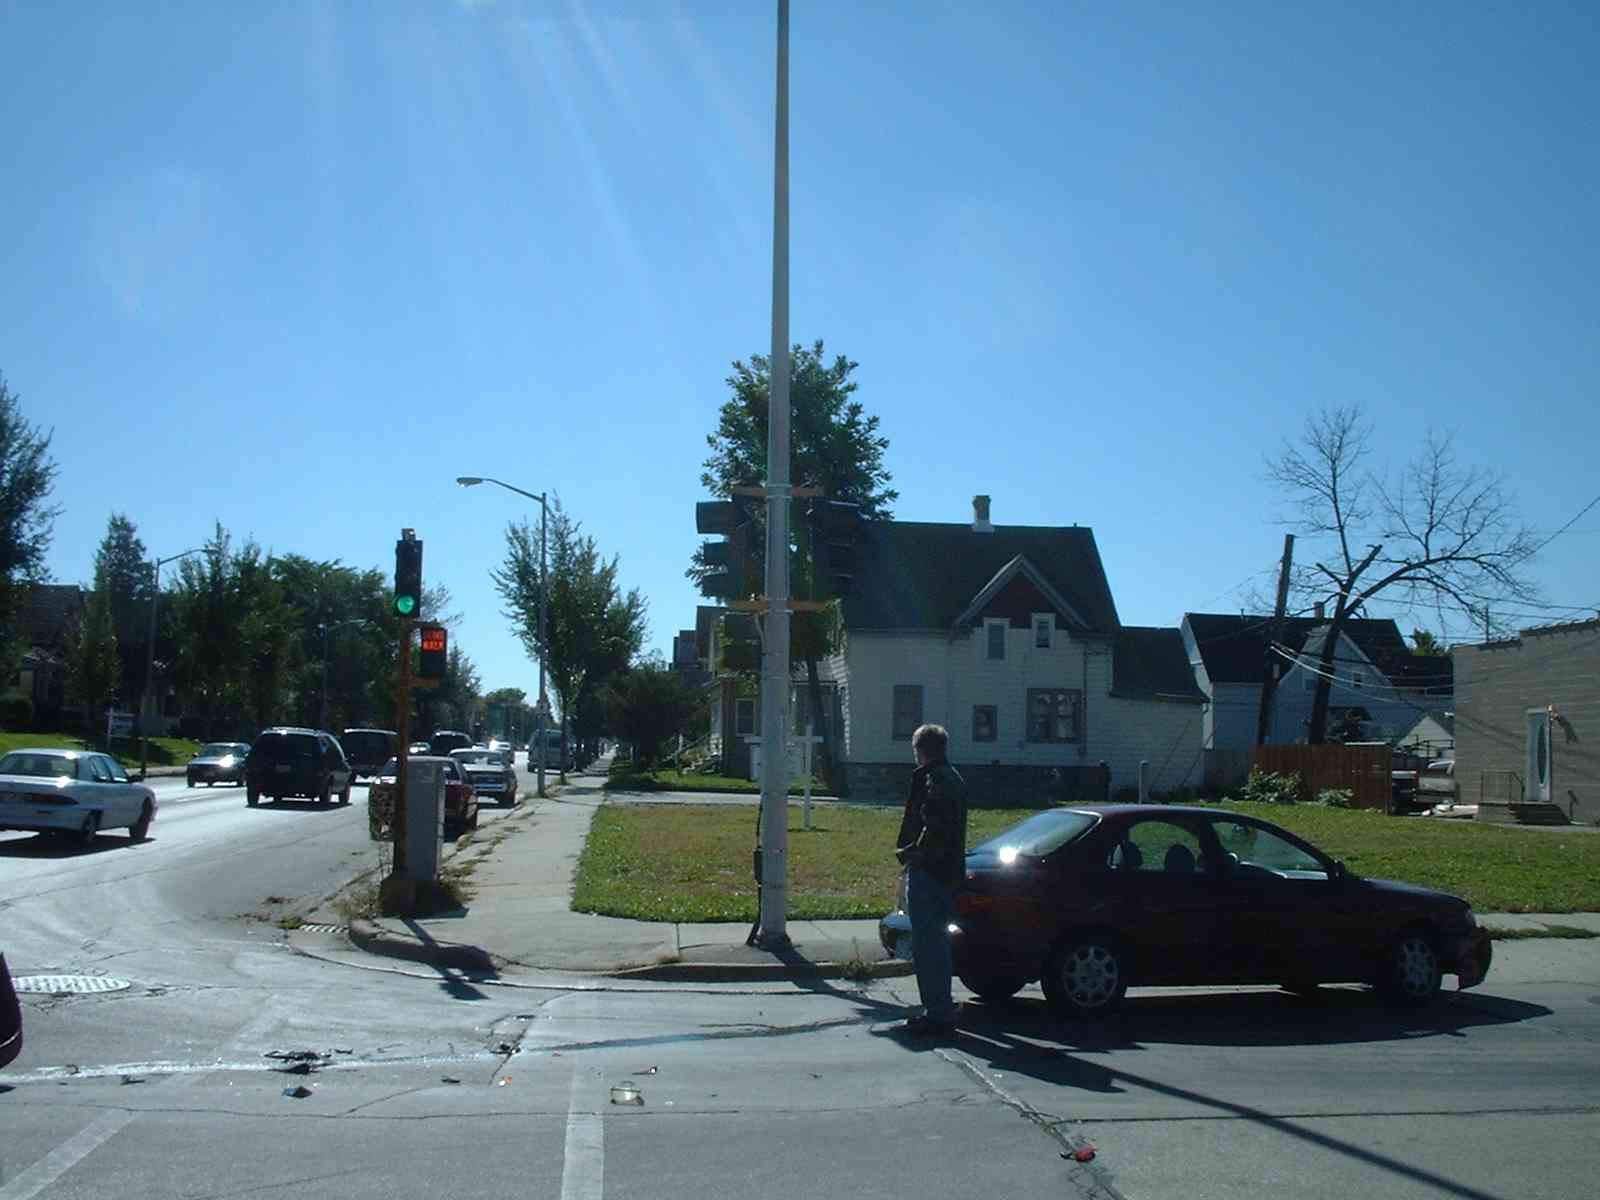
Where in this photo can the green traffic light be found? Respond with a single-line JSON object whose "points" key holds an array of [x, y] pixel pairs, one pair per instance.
{"points": [[405, 605]]}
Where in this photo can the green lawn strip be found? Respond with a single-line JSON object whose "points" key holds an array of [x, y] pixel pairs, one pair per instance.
{"points": [[692, 862], [164, 752], [670, 780], [1496, 868]]}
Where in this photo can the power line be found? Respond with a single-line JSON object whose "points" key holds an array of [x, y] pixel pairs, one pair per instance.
{"points": [[1581, 514]]}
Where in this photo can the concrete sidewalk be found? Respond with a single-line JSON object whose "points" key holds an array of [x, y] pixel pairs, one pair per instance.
{"points": [[519, 917]]}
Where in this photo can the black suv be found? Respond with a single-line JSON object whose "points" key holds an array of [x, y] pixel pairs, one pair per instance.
{"points": [[297, 762], [445, 740], [369, 749]]}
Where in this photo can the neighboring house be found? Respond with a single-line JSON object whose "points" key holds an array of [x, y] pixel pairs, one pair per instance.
{"points": [[1379, 687], [729, 685], [1528, 725], [48, 614], [1432, 736], [1007, 635]]}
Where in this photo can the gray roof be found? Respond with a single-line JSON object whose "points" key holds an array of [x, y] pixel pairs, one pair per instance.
{"points": [[925, 575], [1150, 663]]}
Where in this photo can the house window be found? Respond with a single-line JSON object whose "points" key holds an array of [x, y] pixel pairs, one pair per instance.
{"points": [[744, 717], [1358, 679], [1053, 714], [995, 631], [985, 720], [1043, 632], [907, 710]]}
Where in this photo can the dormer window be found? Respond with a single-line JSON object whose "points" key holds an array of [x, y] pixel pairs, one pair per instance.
{"points": [[1044, 631]]}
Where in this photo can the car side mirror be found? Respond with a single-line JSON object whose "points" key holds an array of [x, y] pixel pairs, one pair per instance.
{"points": [[1339, 873]]}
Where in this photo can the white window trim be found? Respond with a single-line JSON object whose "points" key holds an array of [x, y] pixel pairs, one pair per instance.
{"points": [[1005, 637]]}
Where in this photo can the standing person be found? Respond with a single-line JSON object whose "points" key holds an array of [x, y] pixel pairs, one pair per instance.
{"points": [[933, 844]]}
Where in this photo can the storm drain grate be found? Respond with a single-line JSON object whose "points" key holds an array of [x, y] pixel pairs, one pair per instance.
{"points": [[69, 985], [320, 927]]}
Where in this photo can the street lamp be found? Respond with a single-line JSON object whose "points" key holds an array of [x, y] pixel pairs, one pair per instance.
{"points": [[544, 587], [150, 659], [322, 713]]}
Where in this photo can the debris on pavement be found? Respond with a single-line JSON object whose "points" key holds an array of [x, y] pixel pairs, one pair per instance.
{"points": [[627, 1092], [450, 1079], [297, 1092], [647, 1070], [1082, 1154], [502, 1081]]}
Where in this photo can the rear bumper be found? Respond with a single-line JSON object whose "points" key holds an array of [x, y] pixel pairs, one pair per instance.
{"points": [[55, 818]]}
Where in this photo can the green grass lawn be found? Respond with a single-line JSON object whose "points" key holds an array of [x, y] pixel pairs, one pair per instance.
{"points": [[692, 862], [668, 779], [164, 752]]}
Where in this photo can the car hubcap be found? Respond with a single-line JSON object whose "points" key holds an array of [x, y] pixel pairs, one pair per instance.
{"points": [[1415, 966], [1091, 976]]}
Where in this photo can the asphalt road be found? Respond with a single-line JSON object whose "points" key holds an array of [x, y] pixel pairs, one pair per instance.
{"points": [[431, 1085]]}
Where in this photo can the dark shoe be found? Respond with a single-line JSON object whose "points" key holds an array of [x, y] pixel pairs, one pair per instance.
{"points": [[926, 1027]]}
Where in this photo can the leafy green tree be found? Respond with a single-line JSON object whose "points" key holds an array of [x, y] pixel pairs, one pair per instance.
{"points": [[649, 703], [593, 629], [122, 576], [27, 475], [1423, 642], [208, 626], [836, 446], [94, 670], [458, 699], [266, 636]]}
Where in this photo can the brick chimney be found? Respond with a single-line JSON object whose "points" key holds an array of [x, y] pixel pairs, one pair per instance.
{"points": [[1321, 611], [980, 515]]}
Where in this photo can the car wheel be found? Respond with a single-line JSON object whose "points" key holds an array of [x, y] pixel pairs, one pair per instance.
{"points": [[1411, 974], [251, 796], [1085, 977], [140, 829], [189, 780], [325, 797], [473, 824], [993, 989], [91, 829], [344, 796]]}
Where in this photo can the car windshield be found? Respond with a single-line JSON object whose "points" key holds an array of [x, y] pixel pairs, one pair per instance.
{"points": [[479, 758], [40, 766], [1038, 835], [217, 750]]}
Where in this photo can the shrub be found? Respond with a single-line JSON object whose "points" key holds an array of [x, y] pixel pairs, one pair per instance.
{"points": [[1336, 797], [1125, 795], [1270, 787], [16, 714]]}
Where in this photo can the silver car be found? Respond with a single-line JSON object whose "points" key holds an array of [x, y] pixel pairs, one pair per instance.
{"points": [[77, 793]]}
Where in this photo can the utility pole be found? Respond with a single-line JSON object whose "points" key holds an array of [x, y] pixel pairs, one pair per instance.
{"points": [[775, 693], [1274, 663]]}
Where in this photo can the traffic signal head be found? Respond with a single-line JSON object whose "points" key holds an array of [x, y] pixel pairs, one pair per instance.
{"points": [[835, 539], [407, 575], [435, 648], [734, 574]]}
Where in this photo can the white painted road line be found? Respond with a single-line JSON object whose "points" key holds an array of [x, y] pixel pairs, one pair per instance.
{"points": [[583, 1167], [66, 1156]]}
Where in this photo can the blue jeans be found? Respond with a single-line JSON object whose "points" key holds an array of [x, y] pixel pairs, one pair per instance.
{"points": [[930, 903]]}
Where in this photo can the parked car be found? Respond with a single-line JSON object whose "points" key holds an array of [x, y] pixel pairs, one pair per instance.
{"points": [[1092, 900], [418, 748], [10, 1017], [369, 749], [77, 793], [460, 800], [491, 773], [287, 761], [445, 740], [556, 756], [218, 762]]}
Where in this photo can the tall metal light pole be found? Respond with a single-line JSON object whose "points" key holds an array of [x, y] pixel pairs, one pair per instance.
{"points": [[150, 659], [544, 588], [326, 628], [775, 694]]}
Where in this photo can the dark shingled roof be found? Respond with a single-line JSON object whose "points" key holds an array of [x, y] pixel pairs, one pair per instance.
{"points": [[922, 575], [1149, 662], [1234, 647]]}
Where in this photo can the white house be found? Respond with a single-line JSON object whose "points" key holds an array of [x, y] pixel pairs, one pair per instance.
{"points": [[1007, 635], [1377, 683]]}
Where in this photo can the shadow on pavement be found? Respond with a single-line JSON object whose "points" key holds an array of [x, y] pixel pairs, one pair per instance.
{"points": [[454, 981], [44, 845]]}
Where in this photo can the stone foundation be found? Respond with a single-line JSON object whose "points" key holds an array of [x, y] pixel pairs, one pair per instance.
{"points": [[988, 786]]}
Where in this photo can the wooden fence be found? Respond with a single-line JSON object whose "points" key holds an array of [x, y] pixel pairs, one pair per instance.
{"points": [[1362, 770]]}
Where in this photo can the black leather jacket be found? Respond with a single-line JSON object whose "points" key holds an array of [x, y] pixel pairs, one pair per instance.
{"points": [[933, 832]]}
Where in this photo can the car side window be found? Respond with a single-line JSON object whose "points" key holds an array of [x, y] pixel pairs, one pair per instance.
{"points": [[118, 775], [1257, 847], [98, 771], [1156, 846]]}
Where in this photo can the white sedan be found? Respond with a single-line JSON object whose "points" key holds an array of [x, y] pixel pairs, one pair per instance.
{"points": [[75, 792]]}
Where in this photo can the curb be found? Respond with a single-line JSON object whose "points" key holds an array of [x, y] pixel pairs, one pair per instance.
{"points": [[374, 939], [690, 972]]}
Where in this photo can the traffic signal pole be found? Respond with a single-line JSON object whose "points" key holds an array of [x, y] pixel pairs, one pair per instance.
{"points": [[775, 692]]}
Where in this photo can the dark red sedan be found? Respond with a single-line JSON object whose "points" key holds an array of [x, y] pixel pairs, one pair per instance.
{"points": [[1091, 900]]}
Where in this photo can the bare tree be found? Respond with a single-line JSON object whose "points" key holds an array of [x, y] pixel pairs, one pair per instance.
{"points": [[1441, 535]]}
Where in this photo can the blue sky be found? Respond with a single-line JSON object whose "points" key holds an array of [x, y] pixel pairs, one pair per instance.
{"points": [[295, 266]]}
